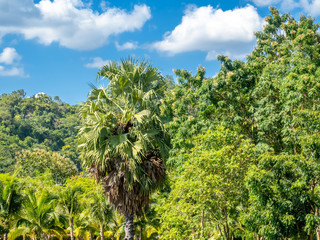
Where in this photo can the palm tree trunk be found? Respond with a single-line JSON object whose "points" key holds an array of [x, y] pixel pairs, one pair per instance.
{"points": [[71, 228], [129, 228], [101, 232]]}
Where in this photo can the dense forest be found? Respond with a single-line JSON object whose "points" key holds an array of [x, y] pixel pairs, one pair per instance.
{"points": [[37, 122], [236, 156]]}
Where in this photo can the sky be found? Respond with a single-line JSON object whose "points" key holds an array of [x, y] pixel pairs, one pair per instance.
{"points": [[58, 46]]}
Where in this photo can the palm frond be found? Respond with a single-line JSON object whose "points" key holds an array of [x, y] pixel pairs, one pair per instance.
{"points": [[123, 139]]}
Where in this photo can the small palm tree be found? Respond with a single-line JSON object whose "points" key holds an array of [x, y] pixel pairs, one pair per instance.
{"points": [[84, 227], [10, 203], [123, 140], [69, 201], [100, 212], [38, 218], [116, 227]]}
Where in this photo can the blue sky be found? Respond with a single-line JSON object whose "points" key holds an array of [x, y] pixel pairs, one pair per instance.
{"points": [[58, 46]]}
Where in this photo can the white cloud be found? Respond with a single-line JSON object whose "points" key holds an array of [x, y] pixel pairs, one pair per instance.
{"points": [[311, 7], [262, 3], [213, 31], [11, 72], [71, 23], [11, 59], [9, 55], [97, 62], [127, 46], [288, 5], [103, 5]]}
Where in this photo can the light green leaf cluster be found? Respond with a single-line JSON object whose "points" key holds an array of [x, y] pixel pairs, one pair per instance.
{"points": [[208, 192]]}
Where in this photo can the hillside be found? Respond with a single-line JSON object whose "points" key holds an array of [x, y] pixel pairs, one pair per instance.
{"points": [[33, 122]]}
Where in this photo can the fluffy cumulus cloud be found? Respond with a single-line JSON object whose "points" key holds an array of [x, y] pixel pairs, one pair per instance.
{"points": [[9, 55], [71, 23], [213, 31], [9, 63], [97, 62], [127, 46]]}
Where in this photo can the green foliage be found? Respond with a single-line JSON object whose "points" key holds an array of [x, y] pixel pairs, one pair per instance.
{"points": [[148, 225], [122, 136], [38, 208], [272, 98], [123, 140], [244, 160], [70, 200], [283, 197], [100, 212], [183, 109], [38, 217], [35, 122], [208, 192], [30, 163], [10, 201]]}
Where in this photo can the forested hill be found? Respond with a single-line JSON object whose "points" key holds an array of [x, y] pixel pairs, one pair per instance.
{"points": [[34, 123]]}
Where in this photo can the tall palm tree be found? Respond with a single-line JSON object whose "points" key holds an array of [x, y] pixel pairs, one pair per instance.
{"points": [[70, 202], [38, 218], [10, 203], [123, 140]]}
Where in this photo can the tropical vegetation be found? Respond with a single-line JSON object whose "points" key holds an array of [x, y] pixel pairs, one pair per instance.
{"points": [[236, 156]]}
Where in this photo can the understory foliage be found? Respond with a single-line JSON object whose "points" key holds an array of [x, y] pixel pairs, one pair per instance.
{"points": [[37, 208]]}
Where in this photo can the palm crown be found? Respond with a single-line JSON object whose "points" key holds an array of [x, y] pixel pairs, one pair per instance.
{"points": [[122, 138]]}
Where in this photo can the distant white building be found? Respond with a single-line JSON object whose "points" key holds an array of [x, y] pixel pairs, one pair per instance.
{"points": [[40, 94]]}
